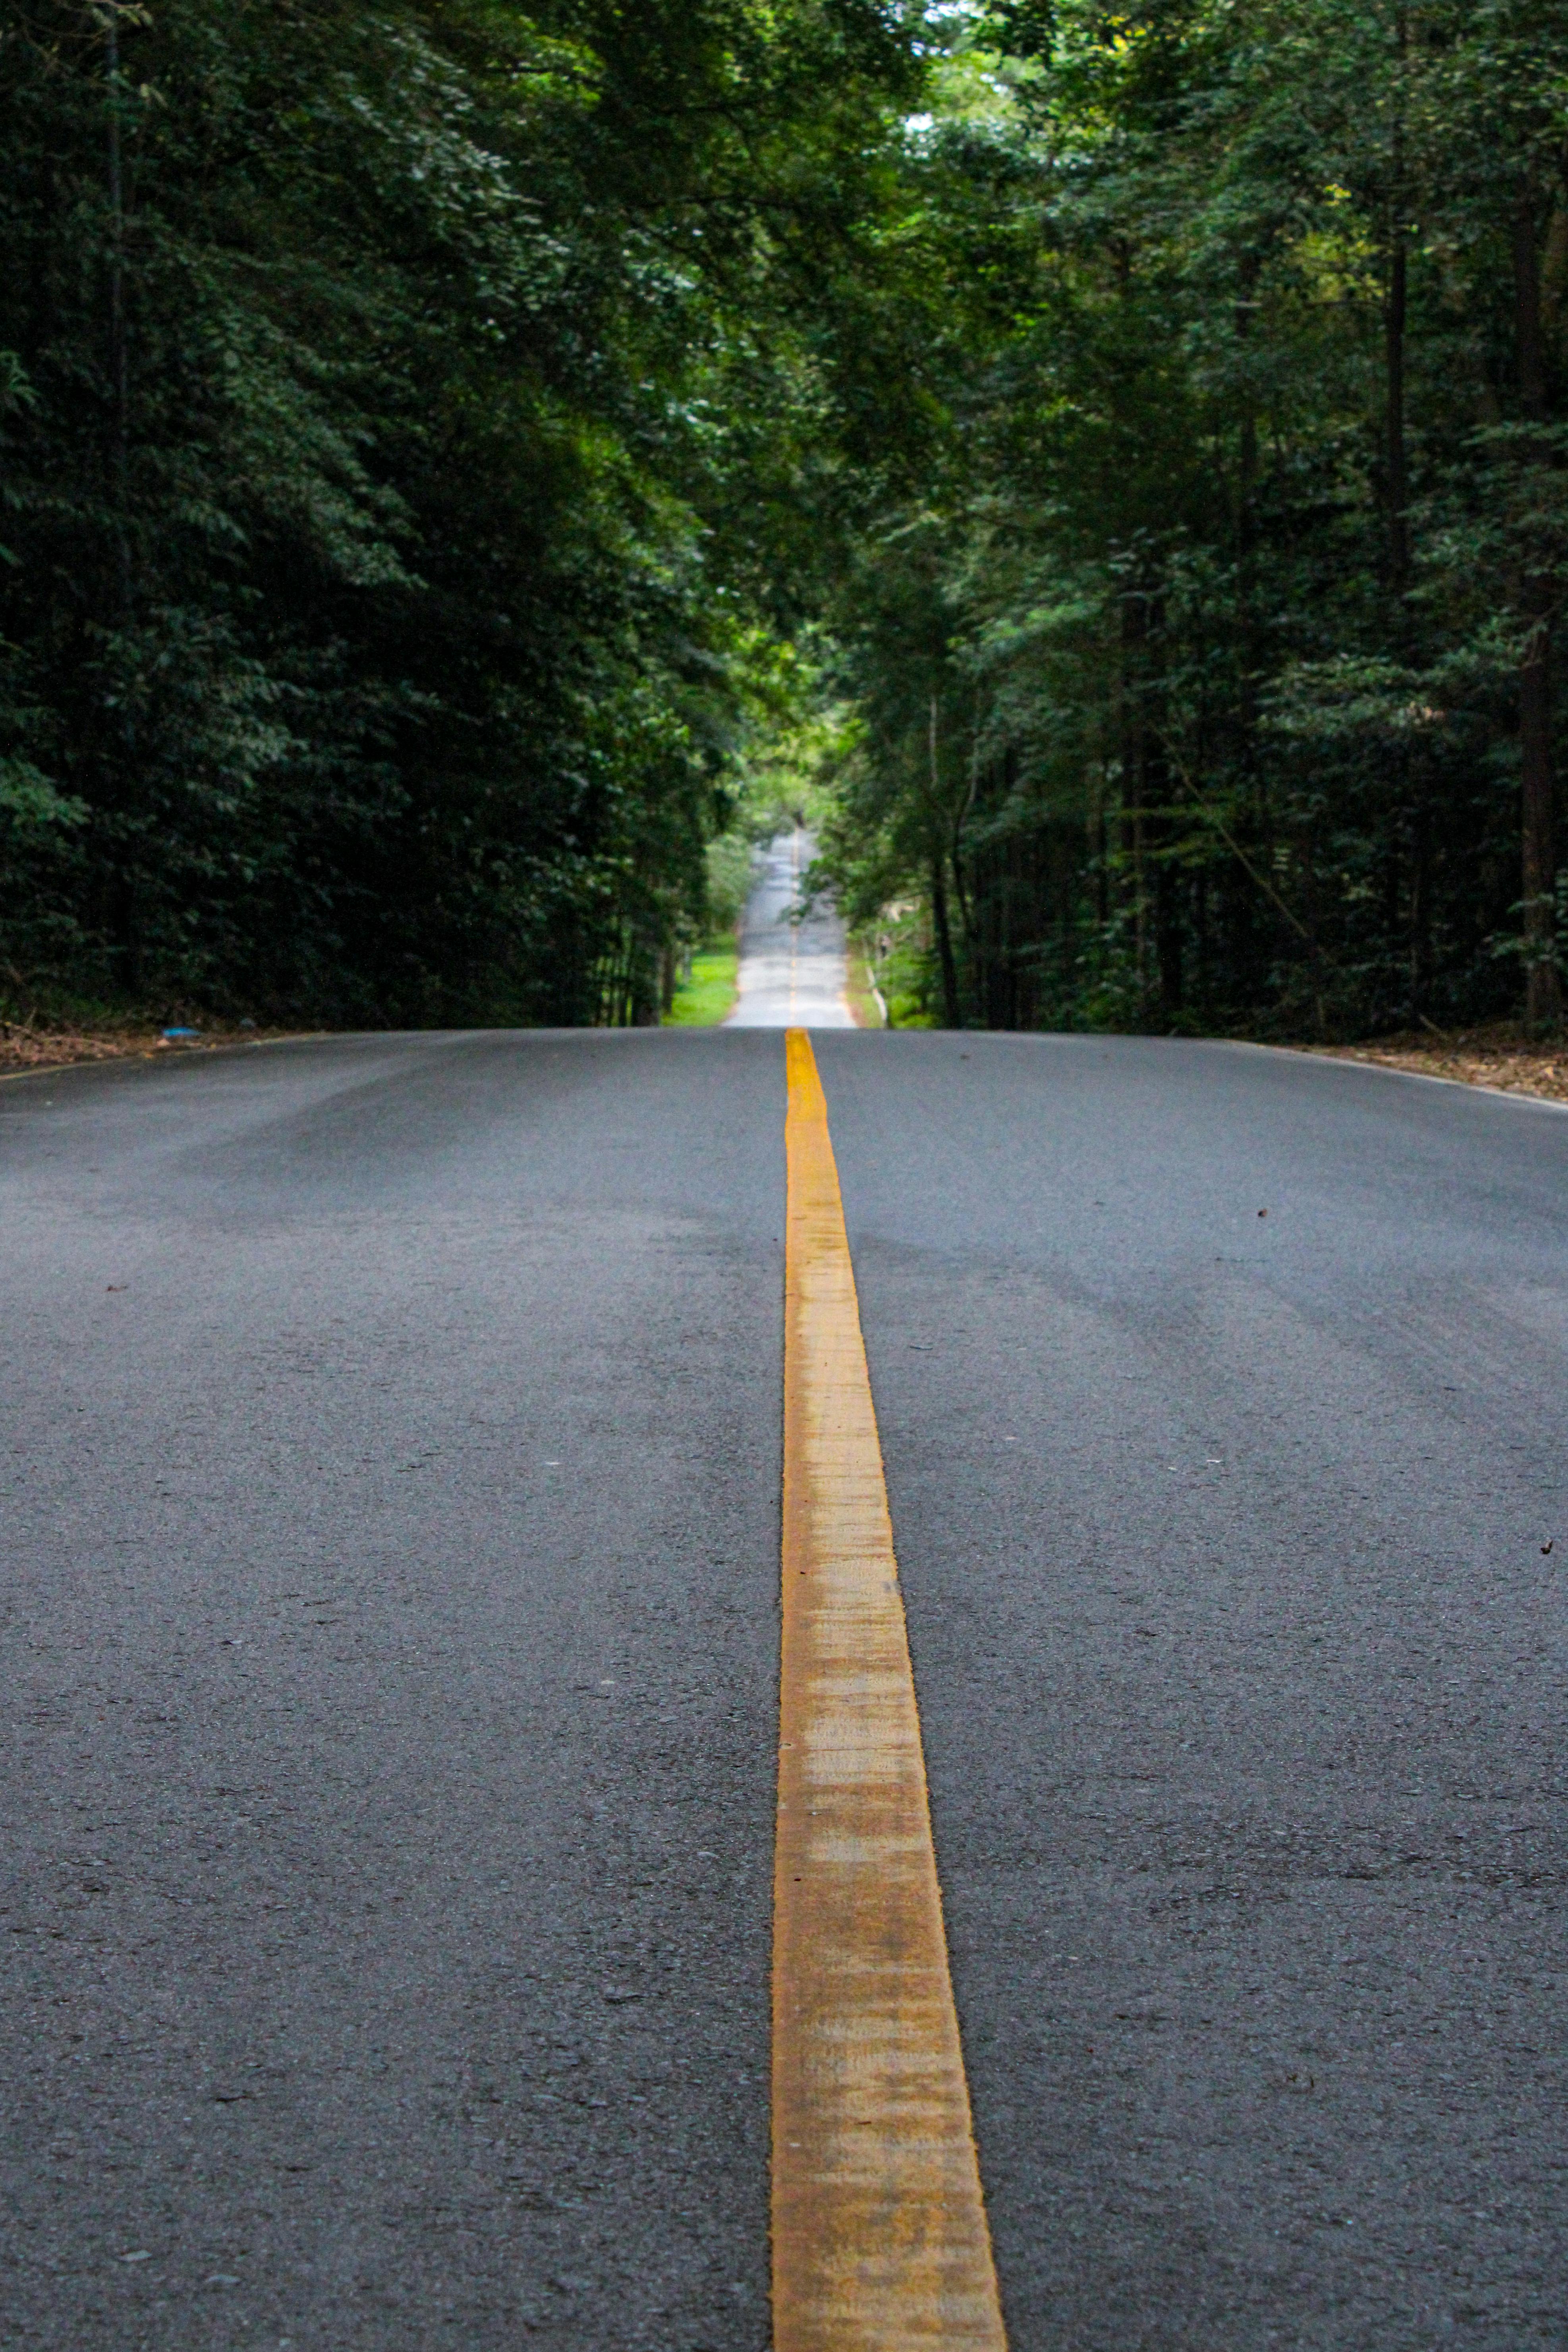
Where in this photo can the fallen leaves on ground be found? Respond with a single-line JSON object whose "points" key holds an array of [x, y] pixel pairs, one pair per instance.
{"points": [[26, 1046], [1501, 1054]]}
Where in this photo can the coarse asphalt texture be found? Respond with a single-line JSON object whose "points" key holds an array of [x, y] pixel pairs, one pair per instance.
{"points": [[390, 1524]]}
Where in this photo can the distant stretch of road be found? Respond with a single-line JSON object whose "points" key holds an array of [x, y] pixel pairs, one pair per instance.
{"points": [[792, 960], [392, 1538]]}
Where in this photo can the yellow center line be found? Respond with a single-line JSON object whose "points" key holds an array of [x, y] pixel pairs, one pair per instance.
{"points": [[879, 2228]]}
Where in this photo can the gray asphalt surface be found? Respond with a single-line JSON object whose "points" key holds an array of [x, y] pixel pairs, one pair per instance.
{"points": [[793, 964], [391, 1520], [392, 1567]]}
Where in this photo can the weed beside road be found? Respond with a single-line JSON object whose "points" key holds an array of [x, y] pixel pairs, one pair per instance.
{"points": [[707, 996]]}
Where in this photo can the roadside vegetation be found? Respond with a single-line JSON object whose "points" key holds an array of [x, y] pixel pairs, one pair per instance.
{"points": [[1205, 681], [706, 993], [422, 429], [861, 991], [468, 472]]}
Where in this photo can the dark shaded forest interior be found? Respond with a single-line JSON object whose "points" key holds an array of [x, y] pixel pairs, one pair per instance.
{"points": [[464, 470]]}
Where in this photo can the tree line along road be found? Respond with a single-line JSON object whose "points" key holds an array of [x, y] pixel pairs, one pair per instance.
{"points": [[392, 1527]]}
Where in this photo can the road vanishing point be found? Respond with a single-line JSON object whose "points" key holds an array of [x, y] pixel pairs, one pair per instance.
{"points": [[692, 1689], [793, 967]]}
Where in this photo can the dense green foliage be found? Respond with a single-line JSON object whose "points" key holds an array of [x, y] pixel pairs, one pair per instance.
{"points": [[1207, 681], [454, 457], [412, 436], [706, 990]]}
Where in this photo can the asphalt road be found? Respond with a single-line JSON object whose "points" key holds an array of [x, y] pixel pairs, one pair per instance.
{"points": [[793, 966], [391, 1517]]}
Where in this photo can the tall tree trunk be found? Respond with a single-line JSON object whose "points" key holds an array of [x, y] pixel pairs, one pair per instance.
{"points": [[1140, 907], [960, 883], [1543, 995], [1157, 911], [1420, 895], [1133, 625], [119, 363], [1398, 524], [952, 1009], [1398, 483], [1398, 490], [1155, 800], [1394, 337], [952, 1013], [1251, 273]]}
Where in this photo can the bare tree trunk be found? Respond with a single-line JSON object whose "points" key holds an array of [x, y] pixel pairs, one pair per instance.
{"points": [[1140, 907], [966, 910], [1251, 270], [1168, 936], [1394, 337], [1543, 998], [1394, 345], [1398, 493], [1543, 995], [952, 1013], [1420, 895], [1132, 811], [952, 1009], [118, 365]]}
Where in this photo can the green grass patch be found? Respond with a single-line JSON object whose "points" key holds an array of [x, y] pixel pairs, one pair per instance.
{"points": [[704, 998], [860, 986]]}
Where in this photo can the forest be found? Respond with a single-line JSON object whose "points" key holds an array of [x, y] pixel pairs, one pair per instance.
{"points": [[455, 459]]}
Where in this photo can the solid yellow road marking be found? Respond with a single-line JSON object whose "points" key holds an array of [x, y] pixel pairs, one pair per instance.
{"points": [[879, 2231]]}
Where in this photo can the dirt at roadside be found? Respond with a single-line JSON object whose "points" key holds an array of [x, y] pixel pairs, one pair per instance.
{"points": [[1501, 1055], [25, 1045]]}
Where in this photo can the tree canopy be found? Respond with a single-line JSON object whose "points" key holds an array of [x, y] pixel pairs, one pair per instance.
{"points": [[1207, 681], [446, 446], [412, 451]]}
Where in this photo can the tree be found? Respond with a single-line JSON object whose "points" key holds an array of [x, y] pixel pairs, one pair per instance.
{"points": [[1252, 540], [385, 387]]}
